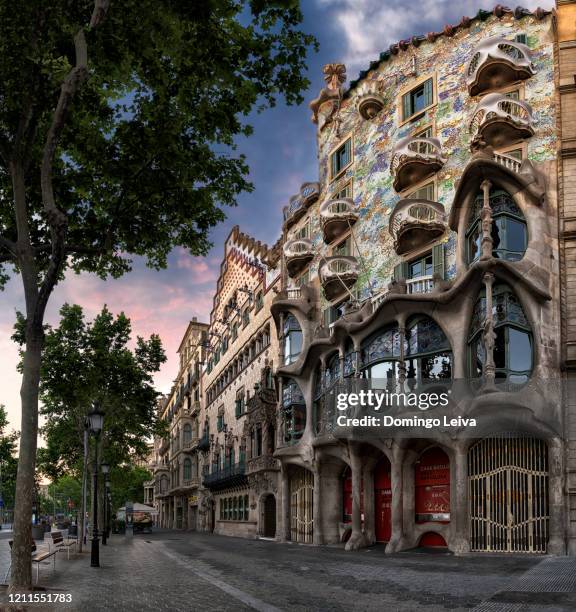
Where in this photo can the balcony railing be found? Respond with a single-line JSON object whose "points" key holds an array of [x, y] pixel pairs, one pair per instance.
{"points": [[229, 476], [337, 217], [294, 293], [499, 121], [338, 274], [422, 284], [415, 159], [497, 62], [298, 253], [190, 444], [508, 162], [416, 223]]}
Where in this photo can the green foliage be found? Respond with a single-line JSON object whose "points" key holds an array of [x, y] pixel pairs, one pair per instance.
{"points": [[60, 492], [146, 158], [127, 484], [88, 361]]}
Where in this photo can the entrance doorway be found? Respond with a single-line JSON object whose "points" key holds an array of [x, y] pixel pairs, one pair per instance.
{"points": [[301, 505], [269, 516], [508, 492], [383, 500]]}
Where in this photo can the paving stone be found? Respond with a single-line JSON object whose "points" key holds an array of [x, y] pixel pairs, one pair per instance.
{"points": [[202, 572]]}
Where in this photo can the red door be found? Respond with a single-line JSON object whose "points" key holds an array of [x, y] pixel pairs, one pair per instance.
{"points": [[347, 496], [432, 481], [383, 500]]}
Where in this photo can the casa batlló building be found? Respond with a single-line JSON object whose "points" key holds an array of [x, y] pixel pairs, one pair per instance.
{"points": [[436, 245]]}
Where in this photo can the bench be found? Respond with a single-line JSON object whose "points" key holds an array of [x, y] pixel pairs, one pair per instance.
{"points": [[60, 543], [37, 557]]}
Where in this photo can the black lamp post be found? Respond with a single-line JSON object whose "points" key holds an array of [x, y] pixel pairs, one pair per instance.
{"points": [[95, 420], [109, 502], [105, 469]]}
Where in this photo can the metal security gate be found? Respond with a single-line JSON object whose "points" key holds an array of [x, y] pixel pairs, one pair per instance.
{"points": [[508, 480], [301, 506]]}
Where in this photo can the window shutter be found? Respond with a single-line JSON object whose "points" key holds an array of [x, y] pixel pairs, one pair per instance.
{"points": [[401, 271], [347, 152], [438, 261], [428, 92], [522, 38], [334, 164], [327, 317], [406, 110]]}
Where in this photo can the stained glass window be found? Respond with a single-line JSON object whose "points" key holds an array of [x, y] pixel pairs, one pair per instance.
{"points": [[428, 354], [383, 345]]}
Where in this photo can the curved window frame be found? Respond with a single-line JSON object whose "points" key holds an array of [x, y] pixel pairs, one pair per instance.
{"points": [[292, 339], [508, 315], [504, 213], [187, 469]]}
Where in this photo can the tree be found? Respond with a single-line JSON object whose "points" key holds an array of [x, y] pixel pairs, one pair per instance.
{"points": [[88, 361], [127, 484], [117, 128], [92, 361]]}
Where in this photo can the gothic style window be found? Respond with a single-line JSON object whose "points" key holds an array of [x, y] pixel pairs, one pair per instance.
{"points": [[294, 408], [513, 352], [380, 354], [292, 339], [509, 232], [428, 354]]}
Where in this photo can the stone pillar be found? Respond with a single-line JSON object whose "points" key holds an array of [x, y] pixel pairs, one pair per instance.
{"points": [[486, 243], [175, 513], [331, 515], [396, 477], [317, 534], [357, 539], [489, 336], [283, 526], [459, 500], [402, 362], [369, 518], [557, 541]]}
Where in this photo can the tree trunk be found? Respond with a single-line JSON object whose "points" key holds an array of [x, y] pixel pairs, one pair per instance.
{"points": [[21, 574]]}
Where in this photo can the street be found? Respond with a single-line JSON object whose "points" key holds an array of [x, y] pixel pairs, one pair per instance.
{"points": [[194, 571]]}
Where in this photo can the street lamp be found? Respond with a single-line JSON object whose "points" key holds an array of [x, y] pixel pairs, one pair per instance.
{"points": [[95, 422], [105, 469]]}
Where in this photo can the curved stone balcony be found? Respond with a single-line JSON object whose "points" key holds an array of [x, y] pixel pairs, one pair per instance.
{"points": [[298, 253], [299, 203], [497, 62], [414, 159], [336, 217], [499, 121], [415, 224], [337, 275]]}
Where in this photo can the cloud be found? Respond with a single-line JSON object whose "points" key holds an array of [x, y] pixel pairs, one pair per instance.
{"points": [[369, 27]]}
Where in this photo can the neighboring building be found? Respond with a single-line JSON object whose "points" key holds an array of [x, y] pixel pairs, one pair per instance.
{"points": [[239, 435], [437, 244], [177, 475]]}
